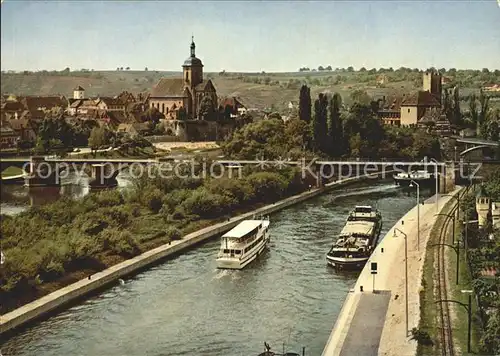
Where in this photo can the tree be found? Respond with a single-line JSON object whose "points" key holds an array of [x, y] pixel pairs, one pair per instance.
{"points": [[320, 68], [305, 103], [128, 68], [361, 97], [152, 114], [329, 68], [362, 69], [335, 126], [97, 138], [228, 110], [207, 109], [350, 69], [483, 115], [457, 114], [319, 124]]}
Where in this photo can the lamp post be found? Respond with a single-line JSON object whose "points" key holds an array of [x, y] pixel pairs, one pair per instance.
{"points": [[467, 307], [453, 232], [418, 212], [457, 251], [406, 273], [457, 197]]}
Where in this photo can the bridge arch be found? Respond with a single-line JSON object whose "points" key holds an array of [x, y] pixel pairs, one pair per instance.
{"points": [[475, 148]]}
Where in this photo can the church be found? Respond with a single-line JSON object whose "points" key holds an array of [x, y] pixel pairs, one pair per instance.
{"points": [[180, 98]]}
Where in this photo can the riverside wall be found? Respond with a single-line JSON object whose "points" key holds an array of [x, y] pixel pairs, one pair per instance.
{"points": [[64, 296]]}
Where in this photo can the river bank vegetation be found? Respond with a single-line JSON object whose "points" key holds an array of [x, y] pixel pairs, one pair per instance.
{"points": [[483, 261], [328, 129], [56, 244]]}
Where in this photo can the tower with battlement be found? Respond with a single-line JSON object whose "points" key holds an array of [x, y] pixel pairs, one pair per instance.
{"points": [[432, 83]]}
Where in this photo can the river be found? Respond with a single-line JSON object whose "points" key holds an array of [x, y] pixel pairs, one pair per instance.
{"points": [[186, 306], [17, 198]]}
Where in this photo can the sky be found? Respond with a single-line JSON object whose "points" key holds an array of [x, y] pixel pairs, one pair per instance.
{"points": [[249, 36]]}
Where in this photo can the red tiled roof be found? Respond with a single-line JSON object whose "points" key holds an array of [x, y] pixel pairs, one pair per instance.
{"points": [[421, 98], [34, 103], [20, 124], [169, 87], [12, 106], [111, 101], [234, 102], [489, 272]]}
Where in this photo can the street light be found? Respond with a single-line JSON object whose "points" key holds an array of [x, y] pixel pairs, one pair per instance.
{"points": [[457, 251], [453, 232], [457, 197], [418, 212], [467, 307], [406, 273]]}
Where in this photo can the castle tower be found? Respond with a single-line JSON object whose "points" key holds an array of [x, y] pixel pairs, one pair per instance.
{"points": [[432, 83], [483, 207], [192, 68], [78, 93]]}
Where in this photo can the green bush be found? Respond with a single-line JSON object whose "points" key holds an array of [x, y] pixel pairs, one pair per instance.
{"points": [[173, 233], [422, 337], [121, 242], [268, 186], [235, 189], [207, 205]]}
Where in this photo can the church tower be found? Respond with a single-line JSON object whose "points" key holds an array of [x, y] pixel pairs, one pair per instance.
{"points": [[192, 68]]}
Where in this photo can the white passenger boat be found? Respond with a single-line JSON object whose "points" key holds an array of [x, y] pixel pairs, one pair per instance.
{"points": [[421, 177], [243, 244]]}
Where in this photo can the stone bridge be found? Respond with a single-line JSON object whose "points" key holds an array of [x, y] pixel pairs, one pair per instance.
{"points": [[43, 171]]}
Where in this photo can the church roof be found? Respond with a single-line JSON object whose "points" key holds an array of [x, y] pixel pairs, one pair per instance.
{"points": [[421, 98], [169, 87], [192, 61]]}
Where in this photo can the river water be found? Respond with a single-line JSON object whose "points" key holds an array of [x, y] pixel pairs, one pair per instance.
{"points": [[17, 198], [186, 306]]}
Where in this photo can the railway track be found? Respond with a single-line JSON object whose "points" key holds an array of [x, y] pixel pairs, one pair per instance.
{"points": [[446, 335]]}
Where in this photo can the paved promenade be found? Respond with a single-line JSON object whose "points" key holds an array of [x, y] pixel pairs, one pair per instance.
{"points": [[374, 323]]}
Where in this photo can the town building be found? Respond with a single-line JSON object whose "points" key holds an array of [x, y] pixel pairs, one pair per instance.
{"points": [[175, 96], [234, 106], [78, 93], [8, 137], [133, 130], [410, 109]]}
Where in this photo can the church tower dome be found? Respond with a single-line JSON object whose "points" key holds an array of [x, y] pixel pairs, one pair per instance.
{"points": [[193, 68]]}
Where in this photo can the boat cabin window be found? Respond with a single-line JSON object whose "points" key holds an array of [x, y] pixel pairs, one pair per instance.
{"points": [[232, 252], [364, 210]]}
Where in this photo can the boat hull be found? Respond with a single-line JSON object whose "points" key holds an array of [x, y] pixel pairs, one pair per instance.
{"points": [[236, 263], [346, 263], [405, 182]]}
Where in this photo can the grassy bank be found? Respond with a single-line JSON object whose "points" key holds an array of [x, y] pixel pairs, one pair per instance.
{"points": [[57, 244], [11, 171]]}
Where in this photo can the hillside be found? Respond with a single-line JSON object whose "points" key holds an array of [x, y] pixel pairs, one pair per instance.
{"points": [[257, 90]]}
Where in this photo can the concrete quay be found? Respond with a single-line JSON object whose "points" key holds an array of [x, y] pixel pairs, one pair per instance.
{"points": [[372, 319], [77, 290]]}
